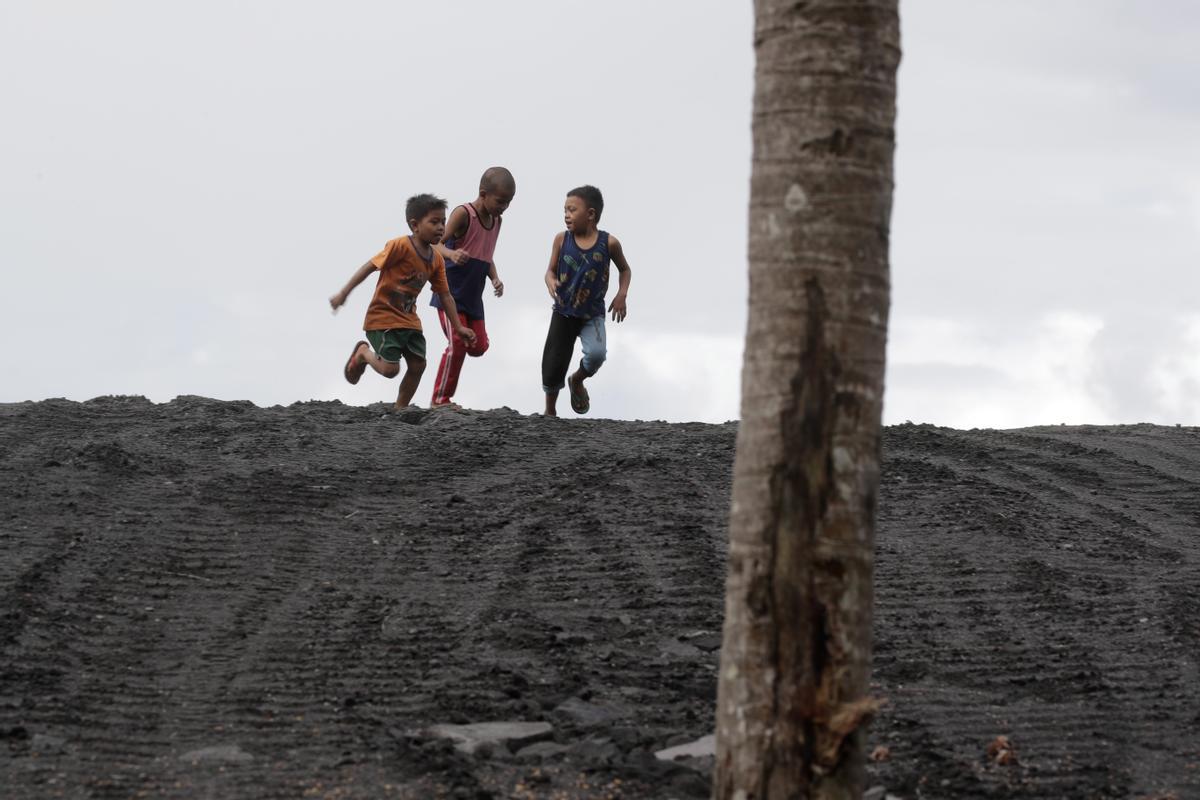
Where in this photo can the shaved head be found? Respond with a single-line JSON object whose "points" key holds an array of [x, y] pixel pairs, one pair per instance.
{"points": [[498, 179]]}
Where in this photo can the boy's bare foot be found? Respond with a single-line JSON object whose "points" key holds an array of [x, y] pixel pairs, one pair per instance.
{"points": [[356, 364]]}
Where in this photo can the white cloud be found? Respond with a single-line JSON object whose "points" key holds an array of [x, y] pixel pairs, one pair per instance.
{"points": [[682, 376], [968, 374], [1046, 160], [1196, 206], [1174, 376]]}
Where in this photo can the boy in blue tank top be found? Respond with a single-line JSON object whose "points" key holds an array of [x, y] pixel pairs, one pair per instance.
{"points": [[577, 280]]}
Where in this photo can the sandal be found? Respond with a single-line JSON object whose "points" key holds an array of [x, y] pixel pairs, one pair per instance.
{"points": [[580, 402], [355, 366]]}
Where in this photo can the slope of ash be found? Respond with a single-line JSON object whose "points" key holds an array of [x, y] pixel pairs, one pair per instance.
{"points": [[205, 598]]}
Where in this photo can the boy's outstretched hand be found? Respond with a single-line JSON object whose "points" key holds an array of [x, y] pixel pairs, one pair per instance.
{"points": [[337, 301], [617, 307]]}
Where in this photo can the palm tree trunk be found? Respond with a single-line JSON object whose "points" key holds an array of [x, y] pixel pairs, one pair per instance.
{"points": [[797, 642]]}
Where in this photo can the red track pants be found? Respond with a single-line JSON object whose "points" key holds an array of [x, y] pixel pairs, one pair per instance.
{"points": [[456, 351]]}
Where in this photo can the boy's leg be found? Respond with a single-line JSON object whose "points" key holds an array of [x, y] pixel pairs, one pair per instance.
{"points": [[415, 368], [388, 369], [481, 338], [366, 355], [446, 382], [556, 357], [593, 342]]}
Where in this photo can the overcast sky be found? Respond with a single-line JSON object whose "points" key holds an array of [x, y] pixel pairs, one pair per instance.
{"points": [[183, 185]]}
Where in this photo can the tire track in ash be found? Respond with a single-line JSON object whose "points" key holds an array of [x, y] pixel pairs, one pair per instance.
{"points": [[1036, 621], [1058, 577], [309, 583], [171, 691], [39, 662], [332, 674], [1144, 454], [451, 558], [46, 450], [560, 594], [1146, 514]]}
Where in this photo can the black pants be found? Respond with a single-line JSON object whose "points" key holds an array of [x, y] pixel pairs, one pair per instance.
{"points": [[560, 344]]}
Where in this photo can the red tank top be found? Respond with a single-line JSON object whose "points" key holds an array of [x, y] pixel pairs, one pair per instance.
{"points": [[467, 280], [479, 241]]}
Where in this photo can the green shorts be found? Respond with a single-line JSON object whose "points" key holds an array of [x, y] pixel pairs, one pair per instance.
{"points": [[391, 345]]}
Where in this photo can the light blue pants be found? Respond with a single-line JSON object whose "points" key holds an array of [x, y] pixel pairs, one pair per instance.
{"points": [[594, 343], [560, 344]]}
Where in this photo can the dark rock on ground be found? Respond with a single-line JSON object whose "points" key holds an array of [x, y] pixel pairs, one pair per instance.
{"points": [[493, 736]]}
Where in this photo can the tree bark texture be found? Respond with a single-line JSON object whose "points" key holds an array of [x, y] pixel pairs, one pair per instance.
{"points": [[792, 697]]}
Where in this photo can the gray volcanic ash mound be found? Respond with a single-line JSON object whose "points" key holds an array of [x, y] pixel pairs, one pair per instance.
{"points": [[206, 598]]}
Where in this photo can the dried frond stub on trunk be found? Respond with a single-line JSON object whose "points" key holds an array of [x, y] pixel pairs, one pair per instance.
{"points": [[844, 720]]}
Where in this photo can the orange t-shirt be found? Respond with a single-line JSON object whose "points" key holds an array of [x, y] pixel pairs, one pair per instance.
{"points": [[402, 275]]}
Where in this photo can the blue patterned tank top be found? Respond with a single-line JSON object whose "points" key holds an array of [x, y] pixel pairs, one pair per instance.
{"points": [[582, 277]]}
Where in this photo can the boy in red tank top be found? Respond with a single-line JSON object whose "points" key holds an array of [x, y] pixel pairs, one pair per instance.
{"points": [[469, 247], [392, 327]]}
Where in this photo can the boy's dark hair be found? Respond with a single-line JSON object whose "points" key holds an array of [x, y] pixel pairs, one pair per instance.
{"points": [[497, 179], [591, 198], [421, 204]]}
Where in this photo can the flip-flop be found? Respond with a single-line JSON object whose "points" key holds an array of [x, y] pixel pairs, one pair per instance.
{"points": [[353, 371], [580, 402]]}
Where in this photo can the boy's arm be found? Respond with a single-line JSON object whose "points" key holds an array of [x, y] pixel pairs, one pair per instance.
{"points": [[552, 270], [497, 284], [624, 273], [339, 299], [462, 331], [455, 226]]}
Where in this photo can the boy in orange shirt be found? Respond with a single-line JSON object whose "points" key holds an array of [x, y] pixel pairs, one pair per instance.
{"points": [[392, 327]]}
